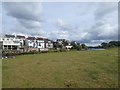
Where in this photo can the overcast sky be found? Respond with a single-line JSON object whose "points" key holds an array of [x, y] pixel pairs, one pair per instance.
{"points": [[85, 22]]}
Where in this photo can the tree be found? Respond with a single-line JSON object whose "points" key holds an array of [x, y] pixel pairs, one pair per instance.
{"points": [[65, 43], [84, 46], [76, 45], [113, 43], [104, 45], [79, 47]]}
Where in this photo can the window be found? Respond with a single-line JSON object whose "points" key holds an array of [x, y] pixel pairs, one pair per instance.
{"points": [[5, 47], [39, 44], [14, 47], [20, 44], [9, 47]]}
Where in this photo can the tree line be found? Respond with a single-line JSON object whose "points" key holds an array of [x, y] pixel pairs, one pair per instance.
{"points": [[75, 45], [110, 44], [82, 46]]}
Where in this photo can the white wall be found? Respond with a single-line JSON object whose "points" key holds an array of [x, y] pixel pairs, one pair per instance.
{"points": [[34, 44], [10, 41], [21, 41], [69, 47], [42, 45]]}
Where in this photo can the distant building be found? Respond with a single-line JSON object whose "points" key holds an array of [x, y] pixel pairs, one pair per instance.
{"points": [[38, 44], [30, 42], [68, 46], [1, 44], [10, 42], [49, 43], [41, 44], [44, 44], [63, 43], [60, 41], [21, 39], [23, 44]]}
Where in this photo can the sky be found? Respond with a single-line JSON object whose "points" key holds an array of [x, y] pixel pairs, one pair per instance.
{"points": [[85, 22]]}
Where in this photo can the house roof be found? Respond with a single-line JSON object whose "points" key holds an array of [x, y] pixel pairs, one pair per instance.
{"points": [[9, 35], [31, 38], [39, 39], [19, 36], [46, 39], [50, 40], [60, 39]]}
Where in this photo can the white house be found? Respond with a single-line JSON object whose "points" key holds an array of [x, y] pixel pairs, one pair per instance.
{"points": [[1, 43], [44, 44], [50, 43], [21, 39], [60, 41], [30, 44], [38, 44], [69, 46], [41, 44], [10, 42]]}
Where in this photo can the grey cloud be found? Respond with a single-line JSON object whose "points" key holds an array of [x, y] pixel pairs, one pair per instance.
{"points": [[30, 24], [58, 34], [105, 9], [100, 31], [28, 15], [103, 31], [24, 10], [72, 31], [62, 25]]}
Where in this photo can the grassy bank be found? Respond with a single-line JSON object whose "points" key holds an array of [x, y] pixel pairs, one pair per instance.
{"points": [[81, 69]]}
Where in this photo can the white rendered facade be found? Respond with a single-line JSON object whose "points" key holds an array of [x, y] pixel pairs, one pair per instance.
{"points": [[10, 43]]}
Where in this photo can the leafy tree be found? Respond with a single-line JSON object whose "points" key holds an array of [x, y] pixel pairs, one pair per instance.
{"points": [[84, 46], [79, 47], [104, 45], [76, 45], [65, 43], [110, 44], [114, 43]]}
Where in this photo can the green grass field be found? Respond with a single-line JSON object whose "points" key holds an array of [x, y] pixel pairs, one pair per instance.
{"points": [[79, 69]]}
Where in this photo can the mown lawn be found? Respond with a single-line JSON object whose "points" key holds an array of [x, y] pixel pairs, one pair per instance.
{"points": [[80, 69]]}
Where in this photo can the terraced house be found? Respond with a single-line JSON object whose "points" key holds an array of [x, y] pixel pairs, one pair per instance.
{"points": [[23, 44], [10, 42]]}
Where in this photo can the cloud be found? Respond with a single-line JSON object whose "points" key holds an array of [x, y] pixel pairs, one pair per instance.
{"points": [[28, 16], [94, 22], [63, 25], [102, 30], [23, 10], [30, 24], [105, 9], [70, 31], [58, 35], [105, 26], [105, 14]]}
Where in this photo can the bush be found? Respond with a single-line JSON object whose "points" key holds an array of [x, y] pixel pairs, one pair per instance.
{"points": [[63, 50]]}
